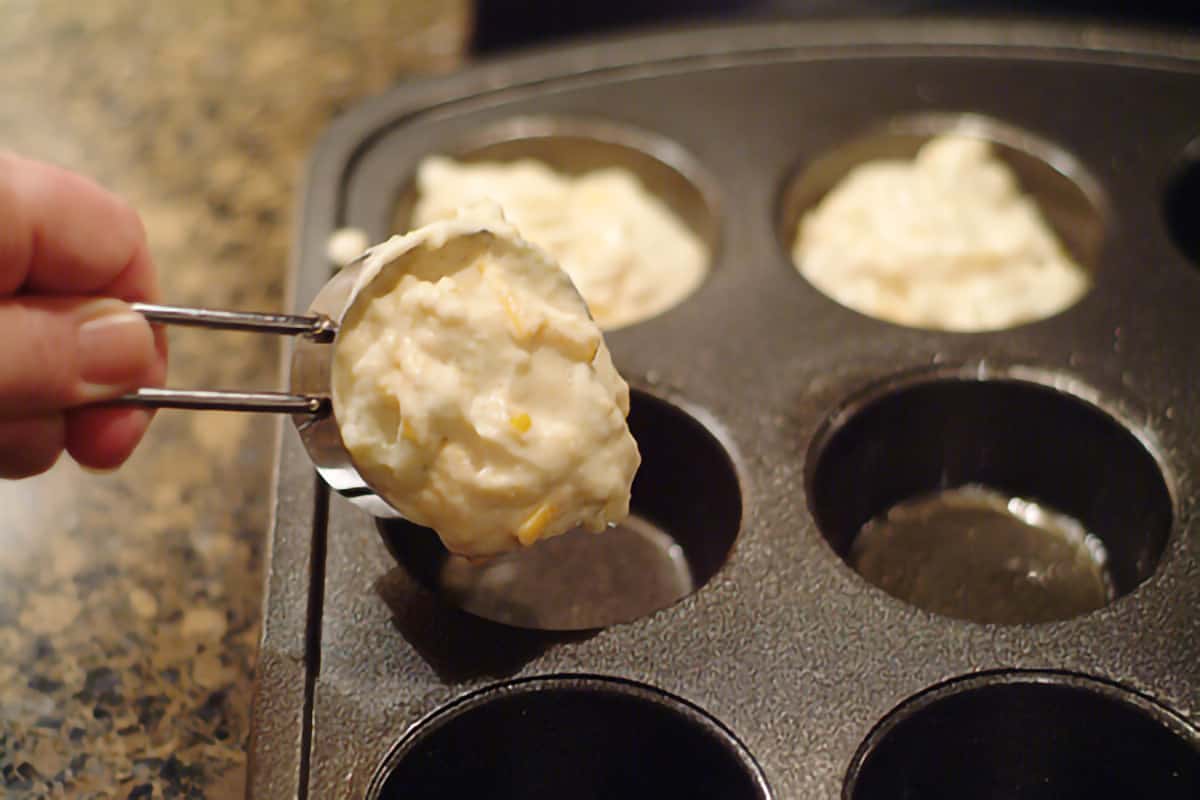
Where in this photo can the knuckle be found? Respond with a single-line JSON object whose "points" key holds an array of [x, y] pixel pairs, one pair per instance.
{"points": [[38, 370]]}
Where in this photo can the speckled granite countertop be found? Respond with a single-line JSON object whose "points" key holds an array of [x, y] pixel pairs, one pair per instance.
{"points": [[130, 603]]}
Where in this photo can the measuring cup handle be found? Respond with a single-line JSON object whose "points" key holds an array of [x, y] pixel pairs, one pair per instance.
{"points": [[316, 326], [270, 402]]}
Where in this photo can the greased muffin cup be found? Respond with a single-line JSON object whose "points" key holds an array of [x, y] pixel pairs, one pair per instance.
{"points": [[733, 613]]}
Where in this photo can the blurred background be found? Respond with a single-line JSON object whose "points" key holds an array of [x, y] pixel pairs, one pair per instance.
{"points": [[502, 24]]}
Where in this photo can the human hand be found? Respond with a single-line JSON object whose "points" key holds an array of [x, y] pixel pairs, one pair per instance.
{"points": [[70, 253]]}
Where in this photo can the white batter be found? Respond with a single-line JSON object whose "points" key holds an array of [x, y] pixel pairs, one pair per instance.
{"points": [[628, 253], [946, 241], [475, 394]]}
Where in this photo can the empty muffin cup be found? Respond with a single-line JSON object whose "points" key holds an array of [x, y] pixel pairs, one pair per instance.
{"points": [[1029, 735], [1181, 204], [994, 500], [571, 736], [946, 222], [627, 213], [686, 511]]}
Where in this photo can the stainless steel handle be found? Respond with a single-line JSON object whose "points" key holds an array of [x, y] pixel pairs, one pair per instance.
{"points": [[271, 402], [317, 326]]}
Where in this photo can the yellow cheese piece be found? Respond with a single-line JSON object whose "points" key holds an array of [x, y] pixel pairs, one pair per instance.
{"points": [[531, 530]]}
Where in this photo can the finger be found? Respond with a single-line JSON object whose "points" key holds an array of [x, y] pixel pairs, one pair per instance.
{"points": [[103, 438], [65, 352], [64, 234], [30, 446]]}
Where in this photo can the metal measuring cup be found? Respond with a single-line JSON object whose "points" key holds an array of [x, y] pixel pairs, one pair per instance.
{"points": [[311, 379], [309, 401]]}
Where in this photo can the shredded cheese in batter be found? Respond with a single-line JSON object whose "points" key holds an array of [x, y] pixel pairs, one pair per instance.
{"points": [[474, 393]]}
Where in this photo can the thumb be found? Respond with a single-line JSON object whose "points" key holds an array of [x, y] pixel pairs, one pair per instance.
{"points": [[64, 352]]}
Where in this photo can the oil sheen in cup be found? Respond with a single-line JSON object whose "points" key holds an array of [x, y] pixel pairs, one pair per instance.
{"points": [[977, 554]]}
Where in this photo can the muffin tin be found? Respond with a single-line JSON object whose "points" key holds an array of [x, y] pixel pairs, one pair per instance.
{"points": [[719, 645]]}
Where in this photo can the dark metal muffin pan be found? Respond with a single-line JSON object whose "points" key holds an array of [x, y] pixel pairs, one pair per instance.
{"points": [[785, 666]]}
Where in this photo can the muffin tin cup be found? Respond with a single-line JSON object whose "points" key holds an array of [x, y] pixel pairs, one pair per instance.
{"points": [[575, 145], [1181, 203], [685, 513], [1030, 735], [569, 736], [1066, 194], [922, 434], [764, 396]]}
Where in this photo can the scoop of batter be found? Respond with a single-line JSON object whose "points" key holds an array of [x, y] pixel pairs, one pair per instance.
{"points": [[475, 394]]}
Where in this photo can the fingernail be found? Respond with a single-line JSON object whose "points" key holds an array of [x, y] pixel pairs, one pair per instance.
{"points": [[114, 349], [99, 470]]}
